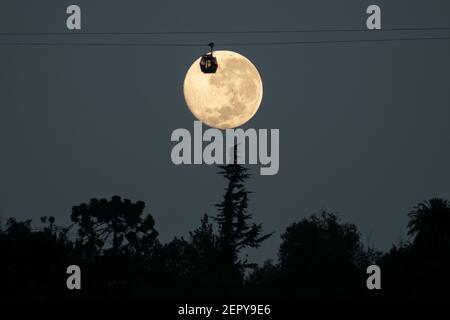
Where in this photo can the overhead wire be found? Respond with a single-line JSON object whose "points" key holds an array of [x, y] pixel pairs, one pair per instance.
{"points": [[328, 30], [153, 43]]}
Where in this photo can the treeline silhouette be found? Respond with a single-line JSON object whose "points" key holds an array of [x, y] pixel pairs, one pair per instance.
{"points": [[120, 256]]}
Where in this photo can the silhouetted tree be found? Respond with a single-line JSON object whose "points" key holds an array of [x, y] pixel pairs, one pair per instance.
{"points": [[194, 266], [32, 263], [236, 232], [419, 269], [205, 244], [266, 281], [117, 223], [430, 223], [318, 256], [115, 244]]}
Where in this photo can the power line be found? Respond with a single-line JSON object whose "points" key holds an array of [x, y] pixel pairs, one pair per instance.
{"points": [[443, 28], [267, 43], [337, 41], [81, 44]]}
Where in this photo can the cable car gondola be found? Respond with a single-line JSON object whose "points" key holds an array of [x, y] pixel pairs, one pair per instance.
{"points": [[208, 63]]}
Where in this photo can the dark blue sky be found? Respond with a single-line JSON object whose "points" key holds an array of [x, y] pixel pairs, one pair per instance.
{"points": [[364, 127]]}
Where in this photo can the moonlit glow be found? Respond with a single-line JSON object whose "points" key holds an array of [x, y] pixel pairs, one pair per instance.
{"points": [[225, 99]]}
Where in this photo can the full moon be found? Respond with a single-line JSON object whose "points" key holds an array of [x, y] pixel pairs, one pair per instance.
{"points": [[225, 99]]}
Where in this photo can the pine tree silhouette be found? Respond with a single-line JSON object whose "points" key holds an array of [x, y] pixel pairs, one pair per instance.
{"points": [[118, 222], [236, 232]]}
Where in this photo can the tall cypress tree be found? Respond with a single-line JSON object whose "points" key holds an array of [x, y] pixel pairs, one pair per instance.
{"points": [[236, 231]]}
